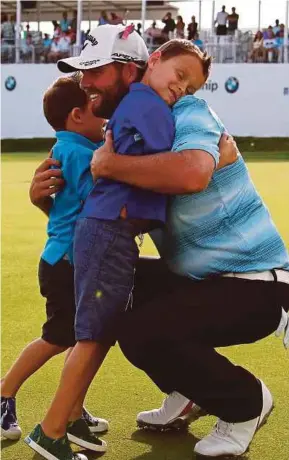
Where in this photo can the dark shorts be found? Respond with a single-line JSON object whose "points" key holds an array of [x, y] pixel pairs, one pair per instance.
{"points": [[222, 30], [105, 256], [57, 286]]}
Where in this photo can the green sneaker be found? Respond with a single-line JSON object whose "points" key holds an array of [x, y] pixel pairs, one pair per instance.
{"points": [[79, 433], [51, 449]]}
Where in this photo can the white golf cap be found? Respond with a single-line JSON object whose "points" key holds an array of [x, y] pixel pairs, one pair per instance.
{"points": [[107, 44]]}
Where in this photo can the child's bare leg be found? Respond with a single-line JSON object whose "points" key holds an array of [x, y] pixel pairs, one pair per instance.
{"points": [[77, 409], [78, 372], [34, 356]]}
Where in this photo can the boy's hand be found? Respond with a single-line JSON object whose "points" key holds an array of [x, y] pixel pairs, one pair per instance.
{"points": [[229, 151], [45, 182], [102, 157]]}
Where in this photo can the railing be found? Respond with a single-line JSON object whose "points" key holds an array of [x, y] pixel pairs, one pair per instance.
{"points": [[34, 54], [223, 49]]}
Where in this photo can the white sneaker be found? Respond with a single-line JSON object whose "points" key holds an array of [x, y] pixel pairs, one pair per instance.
{"points": [[176, 412], [234, 438], [95, 424]]}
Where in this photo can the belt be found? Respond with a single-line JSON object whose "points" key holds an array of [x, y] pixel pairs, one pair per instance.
{"points": [[281, 276]]}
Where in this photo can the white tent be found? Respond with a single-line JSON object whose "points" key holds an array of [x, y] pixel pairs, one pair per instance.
{"points": [[49, 10]]}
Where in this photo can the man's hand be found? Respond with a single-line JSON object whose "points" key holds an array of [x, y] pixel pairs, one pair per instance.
{"points": [[102, 157], [229, 151], [45, 183]]}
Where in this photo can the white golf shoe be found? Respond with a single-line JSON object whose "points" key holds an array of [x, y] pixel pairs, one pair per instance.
{"points": [[233, 439], [176, 412]]}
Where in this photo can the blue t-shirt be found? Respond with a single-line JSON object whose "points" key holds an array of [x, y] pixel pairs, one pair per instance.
{"points": [[64, 25], [225, 228], [47, 42], [141, 124], [74, 153]]}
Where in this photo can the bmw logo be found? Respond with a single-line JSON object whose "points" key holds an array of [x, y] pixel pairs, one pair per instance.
{"points": [[232, 85], [10, 83]]}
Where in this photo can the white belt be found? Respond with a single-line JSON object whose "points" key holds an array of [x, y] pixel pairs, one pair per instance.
{"points": [[282, 276]]}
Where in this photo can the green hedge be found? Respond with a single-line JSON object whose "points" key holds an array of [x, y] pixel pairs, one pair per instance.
{"points": [[252, 148]]}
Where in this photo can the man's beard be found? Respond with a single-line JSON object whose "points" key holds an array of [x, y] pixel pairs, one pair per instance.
{"points": [[109, 100]]}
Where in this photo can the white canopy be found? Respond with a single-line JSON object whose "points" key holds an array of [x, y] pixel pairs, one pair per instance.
{"points": [[49, 10]]}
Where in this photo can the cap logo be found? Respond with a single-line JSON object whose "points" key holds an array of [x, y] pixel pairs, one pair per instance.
{"points": [[92, 40], [86, 63], [127, 31], [126, 58]]}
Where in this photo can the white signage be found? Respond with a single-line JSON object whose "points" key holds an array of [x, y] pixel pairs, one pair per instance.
{"points": [[250, 99]]}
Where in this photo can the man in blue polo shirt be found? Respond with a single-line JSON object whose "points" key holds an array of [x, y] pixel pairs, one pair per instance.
{"points": [[224, 236], [177, 313]]}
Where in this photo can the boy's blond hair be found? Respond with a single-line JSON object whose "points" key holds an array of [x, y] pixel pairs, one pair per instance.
{"points": [[177, 47]]}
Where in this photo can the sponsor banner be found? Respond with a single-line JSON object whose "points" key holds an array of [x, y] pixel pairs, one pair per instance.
{"points": [[250, 99]]}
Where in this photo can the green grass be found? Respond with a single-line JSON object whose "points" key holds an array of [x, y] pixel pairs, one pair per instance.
{"points": [[120, 391]]}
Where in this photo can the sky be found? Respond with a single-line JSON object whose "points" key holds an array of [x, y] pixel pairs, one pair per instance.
{"points": [[247, 10]]}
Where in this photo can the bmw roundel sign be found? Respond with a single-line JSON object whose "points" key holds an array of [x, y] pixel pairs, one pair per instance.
{"points": [[232, 85], [10, 83]]}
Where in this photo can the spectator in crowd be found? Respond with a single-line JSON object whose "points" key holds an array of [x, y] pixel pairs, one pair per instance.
{"points": [[280, 44], [156, 34], [64, 23], [115, 19], [198, 42], [27, 49], [180, 27], [267, 32], [46, 43], [83, 36], [26, 32], [192, 28], [103, 19], [54, 53], [169, 25], [73, 22], [221, 20], [281, 31], [57, 29], [276, 28], [64, 44], [138, 28], [271, 47], [7, 30], [233, 19], [258, 52]]}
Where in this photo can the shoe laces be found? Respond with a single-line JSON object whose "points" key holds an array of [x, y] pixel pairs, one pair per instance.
{"points": [[223, 428], [8, 411]]}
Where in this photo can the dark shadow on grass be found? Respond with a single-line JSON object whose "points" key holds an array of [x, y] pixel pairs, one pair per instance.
{"points": [[223, 457], [89, 454], [168, 445], [172, 445], [7, 443]]}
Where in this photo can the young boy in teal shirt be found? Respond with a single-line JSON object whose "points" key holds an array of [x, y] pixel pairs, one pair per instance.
{"points": [[78, 133]]}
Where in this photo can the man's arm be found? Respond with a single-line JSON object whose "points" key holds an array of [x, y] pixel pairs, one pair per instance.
{"points": [[45, 182], [173, 173]]}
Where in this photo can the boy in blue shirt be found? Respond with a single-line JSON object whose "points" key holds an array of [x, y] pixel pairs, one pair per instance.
{"points": [[78, 132], [105, 251]]}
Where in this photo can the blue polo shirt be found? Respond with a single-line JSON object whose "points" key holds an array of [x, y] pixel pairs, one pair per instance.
{"points": [[141, 124], [74, 153], [225, 228]]}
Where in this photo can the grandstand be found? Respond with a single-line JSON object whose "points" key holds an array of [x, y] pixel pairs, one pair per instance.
{"points": [[231, 48], [25, 54]]}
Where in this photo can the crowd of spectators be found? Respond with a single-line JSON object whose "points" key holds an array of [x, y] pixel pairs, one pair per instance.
{"points": [[173, 28], [268, 44], [227, 24], [35, 48]]}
